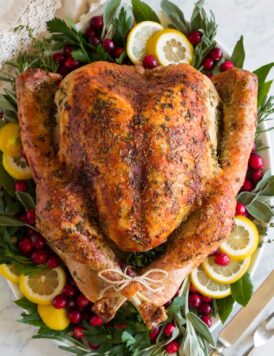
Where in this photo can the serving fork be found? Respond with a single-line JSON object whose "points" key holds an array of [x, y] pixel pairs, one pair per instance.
{"points": [[261, 335]]}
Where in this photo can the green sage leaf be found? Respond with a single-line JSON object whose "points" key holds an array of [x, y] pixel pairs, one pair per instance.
{"points": [[224, 306], [109, 13], [260, 211], [25, 199], [263, 87], [242, 290], [246, 197], [6, 181], [142, 12], [238, 54], [200, 327], [175, 15]]}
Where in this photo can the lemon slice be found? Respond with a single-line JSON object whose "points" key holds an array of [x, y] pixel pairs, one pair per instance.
{"points": [[170, 46], [226, 274], [55, 319], [10, 272], [207, 286], [17, 167], [42, 286], [137, 39], [243, 239]]}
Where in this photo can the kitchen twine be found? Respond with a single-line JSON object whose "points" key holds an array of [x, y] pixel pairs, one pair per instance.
{"points": [[125, 280]]}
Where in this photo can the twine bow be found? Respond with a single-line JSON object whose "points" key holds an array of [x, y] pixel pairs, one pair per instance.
{"points": [[145, 280]]}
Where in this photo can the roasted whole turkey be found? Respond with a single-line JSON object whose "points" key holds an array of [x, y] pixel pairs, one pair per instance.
{"points": [[126, 159]]}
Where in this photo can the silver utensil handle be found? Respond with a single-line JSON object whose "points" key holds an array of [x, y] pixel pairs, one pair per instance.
{"points": [[249, 351]]}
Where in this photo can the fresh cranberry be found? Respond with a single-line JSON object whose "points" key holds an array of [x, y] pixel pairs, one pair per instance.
{"points": [[208, 74], [206, 299], [154, 333], [53, 262], [95, 320], [30, 214], [194, 300], [62, 70], [150, 62], [118, 51], [240, 209], [38, 240], [25, 245], [208, 63], [58, 57], [205, 309], [71, 303], [20, 186], [82, 301], [71, 64], [169, 328], [195, 37], [247, 186], [39, 257], [96, 22], [94, 41], [23, 217], [255, 161], [78, 332], [74, 316], [226, 66], [172, 347], [221, 259], [93, 346], [68, 49], [69, 290], [254, 148], [122, 326], [192, 289], [108, 45], [59, 302], [207, 320], [90, 33], [216, 54], [257, 175]]}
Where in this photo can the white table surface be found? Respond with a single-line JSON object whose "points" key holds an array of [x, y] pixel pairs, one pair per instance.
{"points": [[255, 20]]}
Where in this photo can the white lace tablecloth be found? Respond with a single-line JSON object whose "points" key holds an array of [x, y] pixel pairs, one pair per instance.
{"points": [[254, 19]]}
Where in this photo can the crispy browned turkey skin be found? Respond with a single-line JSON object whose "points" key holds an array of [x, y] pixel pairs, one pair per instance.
{"points": [[137, 162]]}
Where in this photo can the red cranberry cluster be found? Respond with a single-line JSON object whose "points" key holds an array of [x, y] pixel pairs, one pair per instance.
{"points": [[254, 175], [78, 309], [201, 304], [169, 328], [34, 245], [93, 34]]}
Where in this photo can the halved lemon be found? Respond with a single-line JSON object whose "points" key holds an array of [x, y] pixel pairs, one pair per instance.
{"points": [[55, 319], [137, 39], [170, 46], [207, 286], [243, 239], [17, 167], [10, 272], [42, 286], [226, 274]]}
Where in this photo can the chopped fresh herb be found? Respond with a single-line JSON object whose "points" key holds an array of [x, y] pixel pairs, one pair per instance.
{"points": [[122, 24]]}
